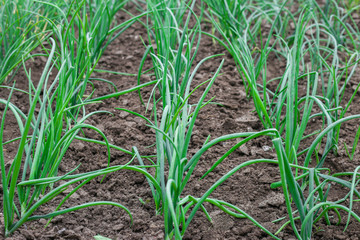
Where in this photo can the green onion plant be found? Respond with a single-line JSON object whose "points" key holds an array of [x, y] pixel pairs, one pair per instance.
{"points": [[289, 113], [21, 31], [31, 179], [82, 35], [173, 119], [48, 133]]}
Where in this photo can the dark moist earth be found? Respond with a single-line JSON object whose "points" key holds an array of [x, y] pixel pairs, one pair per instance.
{"points": [[249, 188]]}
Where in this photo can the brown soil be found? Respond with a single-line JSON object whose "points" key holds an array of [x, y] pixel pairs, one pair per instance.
{"points": [[249, 189]]}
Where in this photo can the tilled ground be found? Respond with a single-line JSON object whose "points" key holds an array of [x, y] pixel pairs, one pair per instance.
{"points": [[249, 189]]}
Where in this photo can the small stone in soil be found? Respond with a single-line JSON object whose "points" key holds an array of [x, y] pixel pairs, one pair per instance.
{"points": [[118, 227], [242, 231], [124, 114], [79, 146], [28, 235], [88, 232], [43, 221], [197, 187], [139, 179], [340, 237], [221, 221], [70, 234], [74, 196], [57, 219], [78, 229], [273, 200], [244, 149], [266, 148]]}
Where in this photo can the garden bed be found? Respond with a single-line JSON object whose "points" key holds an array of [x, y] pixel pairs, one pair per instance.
{"points": [[249, 188]]}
